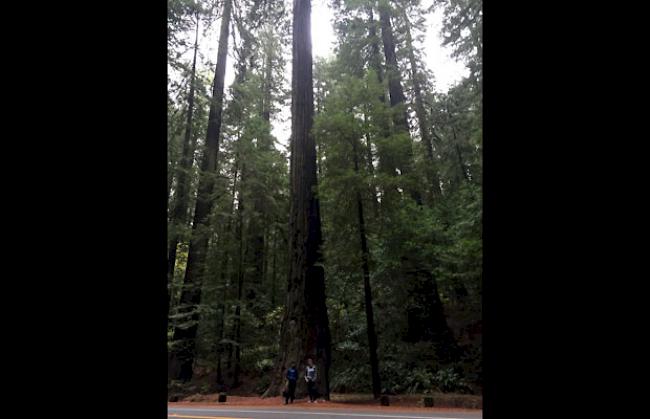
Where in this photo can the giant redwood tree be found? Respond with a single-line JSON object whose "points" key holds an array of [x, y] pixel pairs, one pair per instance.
{"points": [[305, 326]]}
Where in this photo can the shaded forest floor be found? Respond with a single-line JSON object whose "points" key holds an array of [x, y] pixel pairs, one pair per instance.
{"points": [[444, 401]]}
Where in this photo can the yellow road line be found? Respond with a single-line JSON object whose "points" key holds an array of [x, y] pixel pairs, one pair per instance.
{"points": [[174, 415]]}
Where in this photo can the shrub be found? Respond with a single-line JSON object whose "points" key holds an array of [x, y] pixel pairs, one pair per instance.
{"points": [[447, 380]]}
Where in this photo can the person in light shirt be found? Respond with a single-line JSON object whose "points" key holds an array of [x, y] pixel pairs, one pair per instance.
{"points": [[310, 378]]}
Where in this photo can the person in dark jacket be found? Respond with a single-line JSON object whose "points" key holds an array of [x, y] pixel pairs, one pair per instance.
{"points": [[310, 378], [292, 378]]}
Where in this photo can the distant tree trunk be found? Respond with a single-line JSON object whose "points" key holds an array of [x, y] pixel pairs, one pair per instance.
{"points": [[240, 289], [370, 322], [431, 311], [273, 278], [375, 58], [426, 318], [225, 275], [172, 132], [182, 358], [432, 173], [181, 198], [395, 90], [371, 171], [462, 168], [268, 79], [396, 93], [265, 270], [386, 164], [305, 328], [234, 348], [222, 325], [254, 257]]}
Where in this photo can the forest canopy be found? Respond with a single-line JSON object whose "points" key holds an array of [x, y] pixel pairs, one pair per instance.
{"points": [[356, 240]]}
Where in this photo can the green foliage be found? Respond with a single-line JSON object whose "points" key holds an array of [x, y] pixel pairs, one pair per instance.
{"points": [[412, 245], [351, 380], [264, 365], [262, 383], [447, 380], [444, 238], [415, 381]]}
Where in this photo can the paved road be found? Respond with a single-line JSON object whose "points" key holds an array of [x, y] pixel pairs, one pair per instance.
{"points": [[280, 413]]}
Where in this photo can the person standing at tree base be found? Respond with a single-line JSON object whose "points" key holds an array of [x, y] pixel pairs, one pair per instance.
{"points": [[310, 378], [292, 378]]}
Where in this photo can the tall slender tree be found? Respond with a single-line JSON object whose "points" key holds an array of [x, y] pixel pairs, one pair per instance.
{"points": [[178, 217], [426, 318], [182, 357], [420, 111], [367, 291], [397, 98]]}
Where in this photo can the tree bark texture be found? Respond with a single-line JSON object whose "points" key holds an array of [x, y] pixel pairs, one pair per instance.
{"points": [[305, 329]]}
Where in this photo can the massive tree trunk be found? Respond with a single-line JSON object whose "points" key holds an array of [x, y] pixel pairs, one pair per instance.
{"points": [[305, 327], [367, 292], [182, 358], [178, 217], [432, 172]]}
